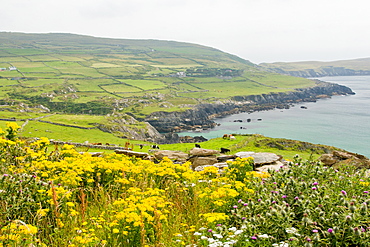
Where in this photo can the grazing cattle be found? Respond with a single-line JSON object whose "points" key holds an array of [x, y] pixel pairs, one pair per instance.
{"points": [[224, 150], [141, 146], [155, 146], [231, 137], [197, 145], [225, 136], [98, 143]]}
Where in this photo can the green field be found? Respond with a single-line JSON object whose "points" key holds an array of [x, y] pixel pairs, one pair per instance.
{"points": [[73, 74]]}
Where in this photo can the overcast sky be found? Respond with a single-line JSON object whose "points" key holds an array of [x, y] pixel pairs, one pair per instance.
{"points": [[257, 30]]}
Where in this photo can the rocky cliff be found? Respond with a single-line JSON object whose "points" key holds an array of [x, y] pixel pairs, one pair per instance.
{"points": [[200, 117], [125, 126]]}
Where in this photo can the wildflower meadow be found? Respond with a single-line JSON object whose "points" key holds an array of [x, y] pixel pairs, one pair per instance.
{"points": [[56, 196]]}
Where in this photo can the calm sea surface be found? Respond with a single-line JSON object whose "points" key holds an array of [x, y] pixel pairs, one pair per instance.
{"points": [[342, 121]]}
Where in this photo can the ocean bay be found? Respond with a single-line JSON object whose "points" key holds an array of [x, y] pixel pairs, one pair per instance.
{"points": [[341, 121]]}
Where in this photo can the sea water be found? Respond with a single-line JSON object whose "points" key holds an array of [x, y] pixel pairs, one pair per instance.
{"points": [[340, 121]]}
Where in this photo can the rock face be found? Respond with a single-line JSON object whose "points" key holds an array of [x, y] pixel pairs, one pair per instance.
{"points": [[189, 119], [337, 159], [126, 126], [200, 117]]}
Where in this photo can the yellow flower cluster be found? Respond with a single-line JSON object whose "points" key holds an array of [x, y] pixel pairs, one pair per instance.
{"points": [[141, 207], [17, 230], [114, 197], [215, 217]]}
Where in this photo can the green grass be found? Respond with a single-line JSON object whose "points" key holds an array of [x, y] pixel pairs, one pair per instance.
{"points": [[121, 88], [74, 68], [77, 120], [26, 51], [7, 82], [18, 115], [60, 133], [10, 74], [41, 82], [146, 84], [42, 58], [90, 85]]}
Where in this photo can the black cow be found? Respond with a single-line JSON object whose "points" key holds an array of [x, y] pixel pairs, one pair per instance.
{"points": [[155, 146], [197, 145], [224, 150]]}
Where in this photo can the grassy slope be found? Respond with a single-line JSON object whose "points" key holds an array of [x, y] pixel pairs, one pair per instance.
{"points": [[132, 75], [355, 64]]}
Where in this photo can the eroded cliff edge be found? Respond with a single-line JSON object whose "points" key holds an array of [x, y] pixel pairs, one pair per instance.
{"points": [[201, 116]]}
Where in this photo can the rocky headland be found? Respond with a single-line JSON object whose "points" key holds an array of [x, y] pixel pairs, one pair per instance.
{"points": [[201, 116]]}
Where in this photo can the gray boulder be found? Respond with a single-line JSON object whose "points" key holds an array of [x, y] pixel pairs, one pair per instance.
{"points": [[202, 161], [260, 158], [172, 155], [220, 166], [203, 152]]}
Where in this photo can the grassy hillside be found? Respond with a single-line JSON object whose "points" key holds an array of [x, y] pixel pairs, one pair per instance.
{"points": [[316, 68], [75, 74]]}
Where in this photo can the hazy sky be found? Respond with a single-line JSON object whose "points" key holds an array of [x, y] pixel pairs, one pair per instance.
{"points": [[257, 30]]}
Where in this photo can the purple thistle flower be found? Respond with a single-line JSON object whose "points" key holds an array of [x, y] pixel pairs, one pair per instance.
{"points": [[245, 204], [296, 198], [315, 230], [254, 237], [314, 188], [273, 202], [284, 196], [366, 192], [235, 206], [6, 175], [330, 230], [343, 192], [240, 200], [308, 239], [209, 230]]}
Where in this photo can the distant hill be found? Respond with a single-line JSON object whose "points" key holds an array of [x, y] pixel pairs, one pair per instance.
{"points": [[318, 69]]}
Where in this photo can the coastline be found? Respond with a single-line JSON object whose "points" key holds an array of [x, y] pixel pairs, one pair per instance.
{"points": [[341, 121], [202, 116]]}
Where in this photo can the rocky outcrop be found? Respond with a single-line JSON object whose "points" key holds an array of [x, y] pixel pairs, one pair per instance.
{"points": [[338, 158], [260, 158], [175, 156], [200, 117], [203, 152], [125, 126], [322, 89]]}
